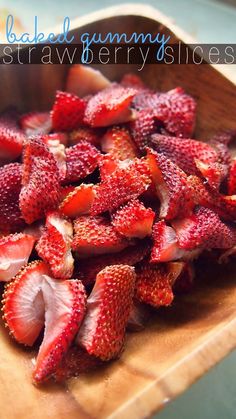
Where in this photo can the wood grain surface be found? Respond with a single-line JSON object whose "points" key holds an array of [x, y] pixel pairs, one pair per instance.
{"points": [[180, 342]]}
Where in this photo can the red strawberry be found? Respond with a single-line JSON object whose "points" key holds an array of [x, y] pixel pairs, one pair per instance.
{"points": [[10, 187], [134, 220], [15, 251], [85, 80], [35, 123], [110, 106], [65, 191], [177, 111], [118, 143], [171, 186], [214, 173], [146, 99], [58, 151], [204, 229], [11, 137], [108, 165], [90, 135], [40, 180], [95, 235], [166, 247], [138, 317], [61, 137], [143, 127], [81, 160], [89, 268], [67, 112], [132, 80], [153, 285], [184, 152], [32, 297], [54, 246], [103, 330], [78, 201], [121, 186], [231, 181]]}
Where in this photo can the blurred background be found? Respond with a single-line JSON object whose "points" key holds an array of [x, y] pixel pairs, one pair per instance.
{"points": [[208, 21]]}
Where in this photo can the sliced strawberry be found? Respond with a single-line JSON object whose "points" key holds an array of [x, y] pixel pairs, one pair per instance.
{"points": [[118, 143], [61, 137], [166, 247], [121, 186], [103, 330], [10, 187], [214, 173], [184, 152], [67, 112], [35, 123], [134, 220], [11, 137], [15, 251], [231, 181], [84, 80], [81, 160], [34, 298], [58, 151], [95, 235], [89, 268], [54, 246], [146, 100], [108, 165], [153, 285], [143, 127], [132, 80], [90, 135], [65, 191], [204, 229], [78, 201], [171, 186], [177, 111], [40, 180], [138, 317], [110, 106]]}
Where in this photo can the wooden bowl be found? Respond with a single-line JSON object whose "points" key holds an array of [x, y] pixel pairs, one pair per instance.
{"points": [[181, 342]]}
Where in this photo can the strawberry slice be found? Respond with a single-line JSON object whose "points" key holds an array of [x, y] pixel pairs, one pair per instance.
{"points": [[54, 246], [11, 137], [84, 80], [40, 180], [15, 251], [10, 187], [58, 151], [171, 186], [78, 201], [103, 330], [177, 111], [89, 268], [108, 165], [143, 127], [153, 285], [67, 112], [95, 235], [118, 143], [132, 80], [231, 181], [121, 186], [110, 106], [204, 229], [81, 160], [214, 173], [145, 99], [134, 220], [34, 298], [35, 123], [88, 134]]}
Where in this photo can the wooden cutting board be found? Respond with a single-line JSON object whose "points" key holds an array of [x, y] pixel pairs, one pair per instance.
{"points": [[181, 342]]}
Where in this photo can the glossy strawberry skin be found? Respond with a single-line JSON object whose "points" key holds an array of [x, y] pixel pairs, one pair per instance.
{"points": [[67, 112], [78, 201], [143, 126], [35, 123], [11, 137], [118, 143], [81, 160]]}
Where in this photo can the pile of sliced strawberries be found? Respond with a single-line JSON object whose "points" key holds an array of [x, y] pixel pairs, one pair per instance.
{"points": [[104, 203]]}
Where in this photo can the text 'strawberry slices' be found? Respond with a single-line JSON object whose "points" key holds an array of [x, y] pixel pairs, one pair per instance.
{"points": [[132, 80], [54, 246], [78, 201], [177, 111], [40, 181], [67, 112], [95, 235], [139, 315], [11, 137], [231, 181], [184, 152], [134, 220], [118, 188], [88, 134], [118, 143], [153, 285], [184, 282], [65, 306], [83, 80], [81, 160], [171, 186], [35, 123], [204, 229], [166, 247], [89, 268], [110, 106], [143, 126], [10, 186], [15, 251], [109, 304], [23, 304]]}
